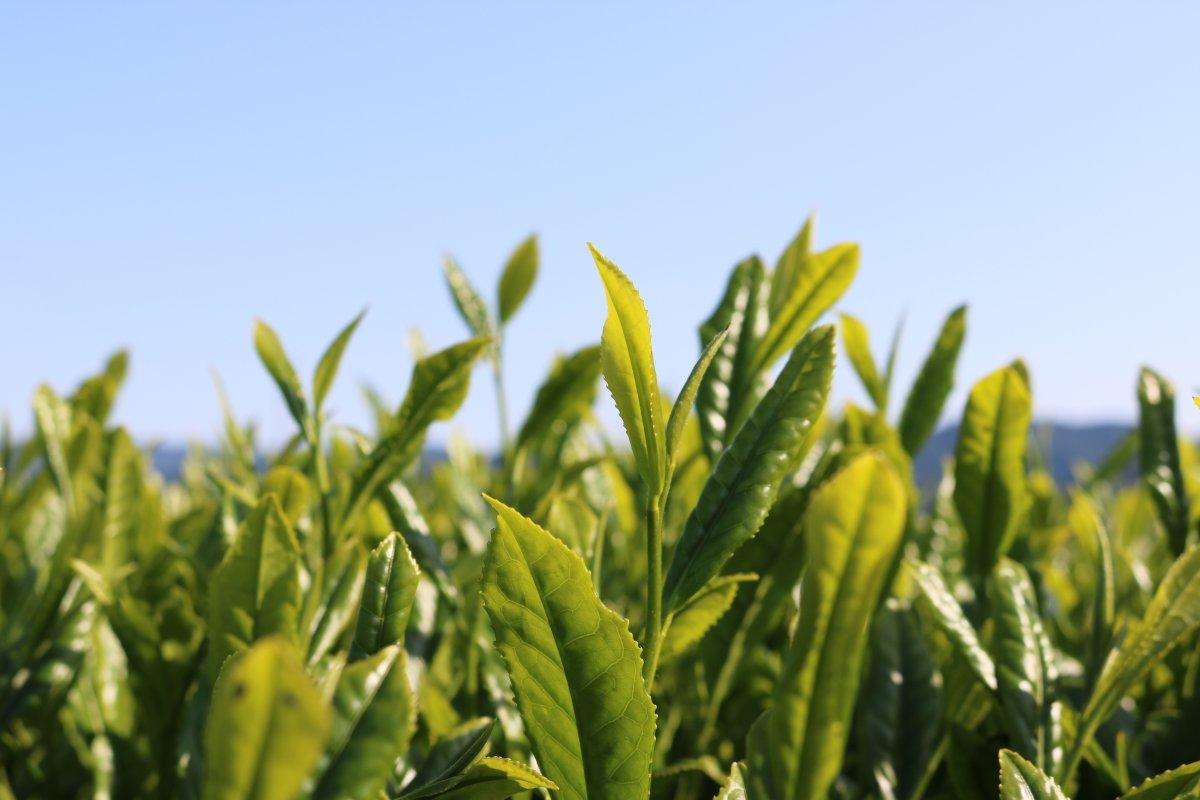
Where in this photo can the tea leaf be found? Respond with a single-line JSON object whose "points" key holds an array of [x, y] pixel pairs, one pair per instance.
{"points": [[387, 598], [266, 728], [1175, 784], [575, 668], [900, 704], [823, 279], [746, 479], [438, 387], [857, 341], [1161, 472], [271, 353], [331, 359], [953, 622], [517, 278], [687, 396], [989, 467], [373, 719], [450, 755], [628, 365], [470, 305], [852, 528], [256, 589], [700, 613], [729, 388], [1173, 614], [1026, 671], [927, 397], [1020, 780], [568, 391]]}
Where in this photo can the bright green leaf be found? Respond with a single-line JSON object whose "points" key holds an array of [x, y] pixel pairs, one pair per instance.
{"points": [[989, 468], [627, 362], [438, 387], [857, 341], [470, 305], [823, 279], [576, 670], [271, 353], [701, 612]]}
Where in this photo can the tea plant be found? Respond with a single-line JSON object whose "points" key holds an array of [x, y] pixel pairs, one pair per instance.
{"points": [[750, 597]]}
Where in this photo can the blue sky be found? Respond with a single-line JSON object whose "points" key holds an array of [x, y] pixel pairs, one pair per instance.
{"points": [[168, 172]]}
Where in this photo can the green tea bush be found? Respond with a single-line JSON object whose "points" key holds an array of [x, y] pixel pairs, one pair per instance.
{"points": [[750, 598]]}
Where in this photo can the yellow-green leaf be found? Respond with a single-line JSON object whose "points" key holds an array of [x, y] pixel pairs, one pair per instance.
{"points": [[823, 278], [853, 528], [266, 727], [271, 353], [857, 341], [255, 592], [701, 612], [1020, 780], [331, 359], [575, 668], [627, 362], [373, 719], [989, 467], [1173, 614], [470, 305], [438, 387], [517, 278]]}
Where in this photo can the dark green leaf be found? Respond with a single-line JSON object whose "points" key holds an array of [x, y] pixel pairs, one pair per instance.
{"points": [[729, 389], [933, 383], [746, 479], [387, 598], [1161, 473]]}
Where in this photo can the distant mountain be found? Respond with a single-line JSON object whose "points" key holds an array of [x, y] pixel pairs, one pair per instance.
{"points": [[1062, 446]]}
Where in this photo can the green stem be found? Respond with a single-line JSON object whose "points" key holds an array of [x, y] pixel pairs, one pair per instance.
{"points": [[501, 400], [321, 473], [654, 579]]}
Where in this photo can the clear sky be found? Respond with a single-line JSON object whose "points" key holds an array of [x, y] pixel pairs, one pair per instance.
{"points": [[168, 172]]}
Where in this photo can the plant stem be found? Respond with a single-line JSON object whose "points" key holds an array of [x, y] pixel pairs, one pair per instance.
{"points": [[654, 578], [501, 401], [321, 471]]}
